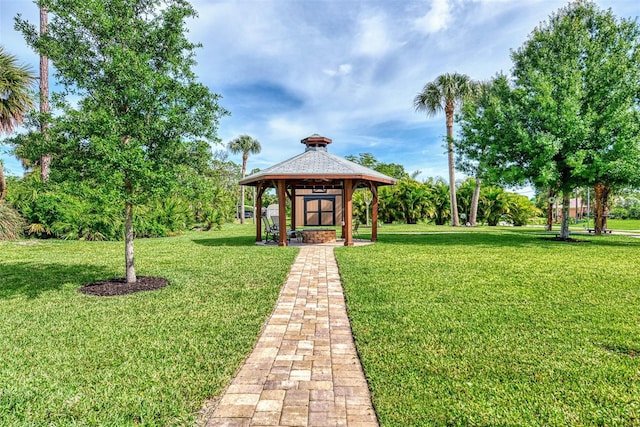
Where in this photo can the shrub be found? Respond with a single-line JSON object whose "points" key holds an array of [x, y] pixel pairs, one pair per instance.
{"points": [[11, 222]]}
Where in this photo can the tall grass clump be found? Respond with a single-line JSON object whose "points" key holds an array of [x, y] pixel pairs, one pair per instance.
{"points": [[11, 222]]}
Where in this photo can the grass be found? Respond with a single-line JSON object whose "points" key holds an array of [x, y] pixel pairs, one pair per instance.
{"points": [[613, 224], [623, 224], [497, 328], [485, 326], [150, 358]]}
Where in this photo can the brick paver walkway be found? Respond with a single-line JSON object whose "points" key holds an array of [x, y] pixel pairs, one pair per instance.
{"points": [[304, 370]]}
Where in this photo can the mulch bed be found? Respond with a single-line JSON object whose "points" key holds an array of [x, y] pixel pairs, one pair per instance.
{"points": [[119, 286]]}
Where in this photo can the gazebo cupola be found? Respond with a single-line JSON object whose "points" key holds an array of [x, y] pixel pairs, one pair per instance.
{"points": [[316, 142], [322, 177]]}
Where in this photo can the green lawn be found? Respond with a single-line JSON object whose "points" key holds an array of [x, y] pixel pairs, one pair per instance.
{"points": [[489, 327], [150, 358], [623, 224], [497, 328]]}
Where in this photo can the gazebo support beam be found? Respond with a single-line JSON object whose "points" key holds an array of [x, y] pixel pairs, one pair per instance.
{"points": [[293, 208], [282, 212], [348, 212], [259, 193], [374, 214]]}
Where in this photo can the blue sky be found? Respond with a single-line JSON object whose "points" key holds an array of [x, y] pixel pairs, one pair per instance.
{"points": [[345, 69]]}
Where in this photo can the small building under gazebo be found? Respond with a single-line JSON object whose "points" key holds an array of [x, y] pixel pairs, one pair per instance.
{"points": [[320, 186]]}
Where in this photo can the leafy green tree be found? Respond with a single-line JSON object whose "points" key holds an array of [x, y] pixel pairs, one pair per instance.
{"points": [[570, 118], [443, 95], [246, 145], [368, 160], [140, 109], [15, 99], [578, 79]]}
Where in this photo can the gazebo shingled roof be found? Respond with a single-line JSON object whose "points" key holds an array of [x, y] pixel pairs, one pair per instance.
{"points": [[317, 163], [317, 167]]}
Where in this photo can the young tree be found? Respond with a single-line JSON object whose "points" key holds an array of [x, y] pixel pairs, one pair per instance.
{"points": [[246, 145], [15, 99], [478, 133], [443, 94], [140, 109]]}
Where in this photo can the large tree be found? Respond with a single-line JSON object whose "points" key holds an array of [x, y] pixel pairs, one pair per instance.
{"points": [[577, 81], [140, 109], [368, 160], [15, 98], [246, 145], [570, 116], [444, 94]]}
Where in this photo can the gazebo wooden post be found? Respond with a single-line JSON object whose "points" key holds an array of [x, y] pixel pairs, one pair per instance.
{"points": [[343, 220], [259, 192], [293, 207], [348, 212], [374, 214], [282, 212]]}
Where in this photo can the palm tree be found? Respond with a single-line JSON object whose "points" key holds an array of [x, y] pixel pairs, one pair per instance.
{"points": [[15, 99], [244, 144], [45, 159], [443, 94]]}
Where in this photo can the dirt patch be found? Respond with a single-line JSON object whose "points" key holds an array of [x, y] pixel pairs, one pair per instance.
{"points": [[567, 240], [623, 350], [119, 286]]}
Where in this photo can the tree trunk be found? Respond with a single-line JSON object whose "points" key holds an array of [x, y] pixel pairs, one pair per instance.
{"points": [[564, 229], [3, 184], [242, 204], [474, 203], [45, 159], [549, 226], [455, 221], [245, 156], [367, 201], [602, 196], [128, 243]]}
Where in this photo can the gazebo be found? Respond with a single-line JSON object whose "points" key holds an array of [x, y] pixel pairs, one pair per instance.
{"points": [[316, 182]]}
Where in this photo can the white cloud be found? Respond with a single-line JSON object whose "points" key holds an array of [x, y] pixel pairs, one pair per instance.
{"points": [[342, 70], [285, 128], [436, 19], [346, 69], [373, 38]]}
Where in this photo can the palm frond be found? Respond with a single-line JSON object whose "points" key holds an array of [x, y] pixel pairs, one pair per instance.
{"points": [[15, 95]]}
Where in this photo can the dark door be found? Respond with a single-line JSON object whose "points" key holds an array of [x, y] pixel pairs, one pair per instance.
{"points": [[319, 210]]}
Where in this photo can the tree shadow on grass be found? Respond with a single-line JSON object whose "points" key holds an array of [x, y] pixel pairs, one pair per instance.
{"points": [[505, 239], [227, 241], [32, 279]]}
